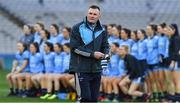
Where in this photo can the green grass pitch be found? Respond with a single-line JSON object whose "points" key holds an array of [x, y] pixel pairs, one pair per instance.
{"points": [[4, 91]]}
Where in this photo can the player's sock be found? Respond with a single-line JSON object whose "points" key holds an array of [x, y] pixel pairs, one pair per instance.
{"points": [[16, 90], [171, 97], [56, 92], [165, 95], [27, 91], [43, 91], [101, 93], [110, 96], [116, 96], [161, 95], [177, 97], [154, 96], [20, 93], [11, 90]]}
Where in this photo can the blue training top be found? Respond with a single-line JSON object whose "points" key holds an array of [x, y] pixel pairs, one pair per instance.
{"points": [[152, 50], [163, 46], [56, 39], [20, 57], [58, 61], [49, 62], [113, 65], [36, 63], [142, 49]]}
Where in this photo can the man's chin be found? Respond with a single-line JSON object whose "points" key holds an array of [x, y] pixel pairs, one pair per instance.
{"points": [[91, 22]]}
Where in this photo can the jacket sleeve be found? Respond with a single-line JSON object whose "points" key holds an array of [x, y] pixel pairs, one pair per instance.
{"points": [[177, 48], [172, 49], [105, 44], [76, 46], [134, 67]]}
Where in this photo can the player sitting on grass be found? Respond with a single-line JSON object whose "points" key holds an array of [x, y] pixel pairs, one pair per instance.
{"points": [[20, 67], [68, 79], [36, 67], [55, 76]]}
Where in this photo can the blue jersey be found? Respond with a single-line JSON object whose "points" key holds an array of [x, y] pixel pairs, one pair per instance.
{"points": [[66, 61], [21, 57], [127, 42], [49, 62], [113, 65], [142, 49], [37, 37], [58, 61], [56, 39], [152, 50], [134, 49], [65, 41], [163, 46], [36, 63], [131, 41], [121, 67], [41, 46], [27, 39], [113, 39]]}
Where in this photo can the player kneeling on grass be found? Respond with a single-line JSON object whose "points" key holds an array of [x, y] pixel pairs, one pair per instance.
{"points": [[36, 68], [20, 67], [133, 76]]}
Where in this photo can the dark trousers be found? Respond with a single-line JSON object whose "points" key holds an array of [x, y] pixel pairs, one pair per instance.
{"points": [[87, 86]]}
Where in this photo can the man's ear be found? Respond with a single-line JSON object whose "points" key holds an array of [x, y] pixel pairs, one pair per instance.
{"points": [[99, 15]]}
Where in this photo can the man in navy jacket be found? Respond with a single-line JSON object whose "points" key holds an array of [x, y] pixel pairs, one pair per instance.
{"points": [[88, 42]]}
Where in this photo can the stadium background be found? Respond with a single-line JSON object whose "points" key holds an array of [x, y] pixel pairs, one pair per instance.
{"points": [[133, 14]]}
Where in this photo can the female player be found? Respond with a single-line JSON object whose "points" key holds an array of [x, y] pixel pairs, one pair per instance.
{"points": [[55, 37]]}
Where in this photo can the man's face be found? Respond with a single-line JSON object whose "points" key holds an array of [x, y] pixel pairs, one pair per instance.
{"points": [[93, 15], [121, 51]]}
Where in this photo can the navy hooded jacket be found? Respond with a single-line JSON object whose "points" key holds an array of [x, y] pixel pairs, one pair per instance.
{"points": [[84, 41]]}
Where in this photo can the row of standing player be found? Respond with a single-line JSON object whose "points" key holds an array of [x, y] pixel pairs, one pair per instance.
{"points": [[153, 49], [38, 33]]}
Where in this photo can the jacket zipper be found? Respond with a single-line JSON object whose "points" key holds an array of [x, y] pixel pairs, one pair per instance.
{"points": [[78, 60], [93, 46]]}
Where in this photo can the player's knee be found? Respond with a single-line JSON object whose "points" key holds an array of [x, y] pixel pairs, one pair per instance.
{"points": [[28, 76], [121, 84], [108, 81], [42, 77], [14, 77], [50, 78], [56, 78], [114, 83], [34, 78], [130, 92], [8, 77], [19, 78]]}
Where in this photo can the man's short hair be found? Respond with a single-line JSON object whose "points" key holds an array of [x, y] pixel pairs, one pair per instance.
{"points": [[94, 7], [126, 48]]}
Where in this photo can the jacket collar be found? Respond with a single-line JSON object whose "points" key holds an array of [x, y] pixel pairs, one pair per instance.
{"points": [[97, 27]]}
